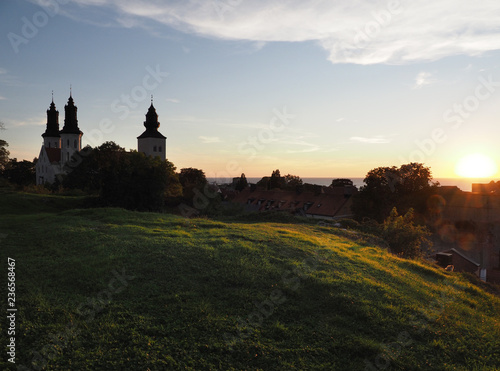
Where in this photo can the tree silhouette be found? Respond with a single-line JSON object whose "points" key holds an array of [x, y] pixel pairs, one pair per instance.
{"points": [[242, 183], [4, 154], [408, 186], [192, 179]]}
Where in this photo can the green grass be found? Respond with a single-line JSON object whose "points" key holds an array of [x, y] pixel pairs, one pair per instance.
{"points": [[228, 295]]}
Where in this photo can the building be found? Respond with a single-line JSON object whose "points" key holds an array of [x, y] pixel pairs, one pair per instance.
{"points": [[152, 142], [469, 222], [460, 261], [58, 146], [328, 203]]}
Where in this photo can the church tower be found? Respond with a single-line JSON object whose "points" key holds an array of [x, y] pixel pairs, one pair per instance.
{"points": [[51, 137], [152, 142], [71, 136]]}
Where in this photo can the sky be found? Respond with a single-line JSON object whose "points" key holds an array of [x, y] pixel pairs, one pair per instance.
{"points": [[313, 88]]}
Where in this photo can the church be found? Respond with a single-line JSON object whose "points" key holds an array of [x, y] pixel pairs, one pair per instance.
{"points": [[59, 145]]}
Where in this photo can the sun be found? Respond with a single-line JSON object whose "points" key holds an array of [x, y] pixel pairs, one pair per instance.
{"points": [[476, 165]]}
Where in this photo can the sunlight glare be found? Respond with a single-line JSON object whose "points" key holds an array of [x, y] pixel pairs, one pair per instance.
{"points": [[476, 166]]}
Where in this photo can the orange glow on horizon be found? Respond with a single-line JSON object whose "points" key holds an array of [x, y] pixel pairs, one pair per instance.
{"points": [[476, 165]]}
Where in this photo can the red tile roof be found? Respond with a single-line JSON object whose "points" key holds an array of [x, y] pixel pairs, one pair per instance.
{"points": [[54, 154], [332, 202]]}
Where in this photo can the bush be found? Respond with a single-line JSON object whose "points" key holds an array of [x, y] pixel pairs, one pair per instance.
{"points": [[403, 236]]}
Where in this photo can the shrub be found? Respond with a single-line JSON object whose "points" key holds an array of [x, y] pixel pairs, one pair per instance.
{"points": [[404, 237]]}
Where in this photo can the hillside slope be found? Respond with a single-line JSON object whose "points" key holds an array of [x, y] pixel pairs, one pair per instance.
{"points": [[110, 289]]}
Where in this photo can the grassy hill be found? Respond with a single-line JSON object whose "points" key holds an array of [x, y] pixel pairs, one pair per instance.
{"points": [[110, 289]]}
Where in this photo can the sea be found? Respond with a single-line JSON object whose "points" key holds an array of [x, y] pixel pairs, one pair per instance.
{"points": [[465, 184]]}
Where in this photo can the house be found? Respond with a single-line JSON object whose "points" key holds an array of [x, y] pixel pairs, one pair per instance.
{"points": [[329, 203], [459, 260], [469, 222]]}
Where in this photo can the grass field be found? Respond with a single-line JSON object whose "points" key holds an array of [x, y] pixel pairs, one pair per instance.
{"points": [[110, 289]]}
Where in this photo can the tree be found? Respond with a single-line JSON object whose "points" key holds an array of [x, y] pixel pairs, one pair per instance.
{"points": [[86, 167], [403, 236], [20, 172], [135, 181], [4, 154], [405, 187], [242, 183], [293, 182], [276, 181], [192, 180], [123, 179]]}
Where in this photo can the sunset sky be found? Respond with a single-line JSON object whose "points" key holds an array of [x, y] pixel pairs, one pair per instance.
{"points": [[314, 88]]}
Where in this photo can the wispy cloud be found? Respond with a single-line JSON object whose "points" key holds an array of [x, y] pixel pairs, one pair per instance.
{"points": [[31, 121], [363, 32], [299, 145], [304, 150], [2, 98], [172, 100], [423, 79], [7, 79], [209, 139], [379, 139]]}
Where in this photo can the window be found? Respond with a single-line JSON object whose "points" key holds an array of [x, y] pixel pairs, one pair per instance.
{"points": [[49, 144], [67, 143], [55, 145], [75, 143], [159, 149], [154, 149]]}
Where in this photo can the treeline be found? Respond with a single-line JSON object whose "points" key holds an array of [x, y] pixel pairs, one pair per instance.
{"points": [[12, 171], [392, 204], [113, 177]]}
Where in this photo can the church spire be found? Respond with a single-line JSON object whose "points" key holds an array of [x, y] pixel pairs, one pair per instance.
{"points": [[70, 117], [52, 129], [151, 124]]}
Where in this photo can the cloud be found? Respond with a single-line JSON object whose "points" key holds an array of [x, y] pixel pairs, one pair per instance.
{"points": [[305, 150], [422, 79], [209, 139], [379, 139], [31, 121], [298, 142], [172, 100], [359, 31], [2, 98]]}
